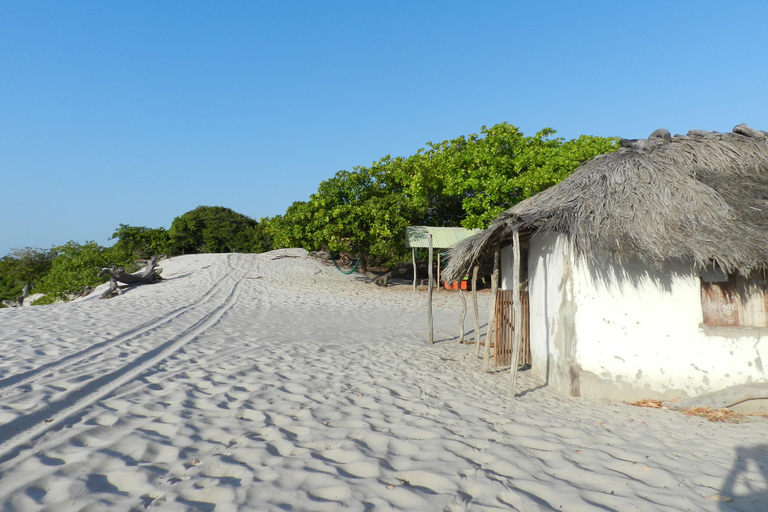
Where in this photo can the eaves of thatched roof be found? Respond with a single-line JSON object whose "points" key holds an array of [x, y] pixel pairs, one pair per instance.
{"points": [[700, 198]]}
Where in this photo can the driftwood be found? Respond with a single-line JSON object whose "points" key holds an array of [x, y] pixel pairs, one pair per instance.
{"points": [[150, 274], [19, 300], [724, 398], [380, 280]]}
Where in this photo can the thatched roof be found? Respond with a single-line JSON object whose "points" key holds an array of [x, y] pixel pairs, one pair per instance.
{"points": [[700, 198]]}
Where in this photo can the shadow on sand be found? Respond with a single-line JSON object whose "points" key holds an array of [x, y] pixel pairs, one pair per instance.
{"points": [[746, 488]]}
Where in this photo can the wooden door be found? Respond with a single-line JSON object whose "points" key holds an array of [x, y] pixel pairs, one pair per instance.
{"points": [[505, 328]]}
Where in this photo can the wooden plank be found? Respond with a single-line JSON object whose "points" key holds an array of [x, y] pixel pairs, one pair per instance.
{"points": [[505, 327], [502, 353], [719, 304], [752, 296]]}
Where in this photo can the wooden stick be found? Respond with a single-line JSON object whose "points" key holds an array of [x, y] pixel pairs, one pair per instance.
{"points": [[429, 293], [475, 270], [518, 333], [492, 313], [463, 311], [439, 284], [414, 268]]}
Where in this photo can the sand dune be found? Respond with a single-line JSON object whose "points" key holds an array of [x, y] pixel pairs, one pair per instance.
{"points": [[273, 382]]}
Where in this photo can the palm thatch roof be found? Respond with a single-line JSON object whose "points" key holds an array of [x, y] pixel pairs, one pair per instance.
{"points": [[700, 198]]}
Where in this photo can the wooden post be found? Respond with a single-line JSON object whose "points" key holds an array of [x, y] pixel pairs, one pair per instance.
{"points": [[463, 310], [475, 270], [439, 283], [414, 268], [492, 313], [517, 336], [429, 293]]}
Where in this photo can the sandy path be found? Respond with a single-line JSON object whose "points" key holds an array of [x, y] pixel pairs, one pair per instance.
{"points": [[272, 382]]}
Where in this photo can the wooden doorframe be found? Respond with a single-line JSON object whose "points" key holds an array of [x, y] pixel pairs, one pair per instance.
{"points": [[504, 321]]}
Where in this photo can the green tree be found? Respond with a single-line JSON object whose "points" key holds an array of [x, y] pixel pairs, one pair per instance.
{"points": [[76, 266], [466, 181], [22, 267], [216, 229], [142, 242], [495, 171]]}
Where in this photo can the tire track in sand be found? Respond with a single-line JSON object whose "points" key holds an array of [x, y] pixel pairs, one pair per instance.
{"points": [[11, 386], [16, 432]]}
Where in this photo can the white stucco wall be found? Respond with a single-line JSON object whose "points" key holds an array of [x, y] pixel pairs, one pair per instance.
{"points": [[600, 330]]}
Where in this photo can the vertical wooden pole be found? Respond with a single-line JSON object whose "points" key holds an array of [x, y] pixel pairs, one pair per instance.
{"points": [[429, 293], [492, 314], [463, 310], [414, 268], [475, 270], [439, 283], [518, 333]]}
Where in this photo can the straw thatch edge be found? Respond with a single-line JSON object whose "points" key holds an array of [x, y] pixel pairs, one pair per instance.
{"points": [[700, 198]]}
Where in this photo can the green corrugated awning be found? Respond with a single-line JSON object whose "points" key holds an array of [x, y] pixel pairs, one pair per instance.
{"points": [[442, 238]]}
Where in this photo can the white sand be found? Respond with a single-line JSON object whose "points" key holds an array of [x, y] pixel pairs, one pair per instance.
{"points": [[249, 382]]}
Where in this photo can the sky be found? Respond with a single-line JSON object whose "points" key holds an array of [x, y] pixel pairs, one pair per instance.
{"points": [[137, 112]]}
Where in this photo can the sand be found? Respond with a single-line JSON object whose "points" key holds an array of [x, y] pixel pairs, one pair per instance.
{"points": [[274, 382]]}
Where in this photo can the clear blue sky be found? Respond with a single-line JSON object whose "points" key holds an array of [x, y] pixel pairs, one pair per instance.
{"points": [[136, 112]]}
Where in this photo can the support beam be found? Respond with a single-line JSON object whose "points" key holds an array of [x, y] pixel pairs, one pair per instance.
{"points": [[492, 313], [475, 270], [429, 293], [517, 337], [439, 283], [463, 310]]}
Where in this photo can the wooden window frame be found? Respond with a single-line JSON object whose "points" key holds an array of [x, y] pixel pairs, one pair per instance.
{"points": [[734, 300]]}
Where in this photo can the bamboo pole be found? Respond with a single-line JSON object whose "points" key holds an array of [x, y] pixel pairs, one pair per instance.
{"points": [[518, 333], [492, 313], [414, 268], [429, 293], [463, 310], [475, 270]]}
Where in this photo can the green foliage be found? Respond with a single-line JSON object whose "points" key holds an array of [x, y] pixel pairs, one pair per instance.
{"points": [[467, 181], [142, 242], [20, 268], [501, 167], [76, 266], [216, 229]]}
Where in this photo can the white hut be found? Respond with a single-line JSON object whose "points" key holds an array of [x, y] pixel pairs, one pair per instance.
{"points": [[645, 270]]}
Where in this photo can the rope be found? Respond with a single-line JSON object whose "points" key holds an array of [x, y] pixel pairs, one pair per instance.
{"points": [[344, 271]]}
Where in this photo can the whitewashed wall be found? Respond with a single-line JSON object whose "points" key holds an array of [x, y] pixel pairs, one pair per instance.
{"points": [[601, 330]]}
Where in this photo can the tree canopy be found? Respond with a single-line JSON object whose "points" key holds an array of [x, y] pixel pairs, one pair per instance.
{"points": [[466, 182], [215, 229], [76, 266]]}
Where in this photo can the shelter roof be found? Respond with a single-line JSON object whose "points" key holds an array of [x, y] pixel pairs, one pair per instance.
{"points": [[701, 198], [442, 238]]}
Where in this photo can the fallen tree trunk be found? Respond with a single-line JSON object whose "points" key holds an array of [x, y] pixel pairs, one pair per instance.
{"points": [[20, 299], [150, 274], [723, 398], [380, 280]]}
